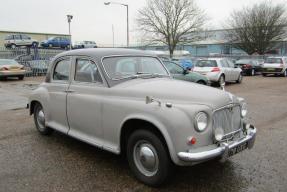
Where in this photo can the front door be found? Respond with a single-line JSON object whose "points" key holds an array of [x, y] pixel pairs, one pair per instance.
{"points": [[84, 102], [57, 90]]}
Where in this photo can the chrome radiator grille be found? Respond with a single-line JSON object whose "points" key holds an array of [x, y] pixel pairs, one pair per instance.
{"points": [[228, 119]]}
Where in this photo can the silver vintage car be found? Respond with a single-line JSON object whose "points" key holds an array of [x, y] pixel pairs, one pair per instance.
{"points": [[125, 101]]}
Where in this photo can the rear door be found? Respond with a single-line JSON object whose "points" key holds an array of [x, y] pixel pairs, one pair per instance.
{"points": [[234, 72], [84, 102], [226, 70]]}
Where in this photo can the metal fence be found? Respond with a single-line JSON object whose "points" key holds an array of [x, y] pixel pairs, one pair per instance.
{"points": [[35, 60]]}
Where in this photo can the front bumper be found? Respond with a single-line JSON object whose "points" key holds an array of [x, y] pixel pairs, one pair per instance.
{"points": [[221, 151]]}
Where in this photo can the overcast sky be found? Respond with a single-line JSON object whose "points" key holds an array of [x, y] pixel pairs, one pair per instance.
{"points": [[93, 20]]}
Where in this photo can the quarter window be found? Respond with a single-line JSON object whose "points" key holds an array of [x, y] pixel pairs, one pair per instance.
{"points": [[87, 71], [62, 70]]}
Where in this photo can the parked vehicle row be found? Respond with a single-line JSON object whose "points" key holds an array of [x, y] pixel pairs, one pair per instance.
{"points": [[125, 101], [20, 40]]}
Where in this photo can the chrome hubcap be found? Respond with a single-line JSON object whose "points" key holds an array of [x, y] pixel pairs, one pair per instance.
{"points": [[41, 119], [146, 158]]}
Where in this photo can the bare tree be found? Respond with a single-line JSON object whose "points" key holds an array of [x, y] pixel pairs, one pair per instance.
{"points": [[170, 21], [259, 28]]}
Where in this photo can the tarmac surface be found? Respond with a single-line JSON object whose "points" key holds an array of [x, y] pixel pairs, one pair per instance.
{"points": [[31, 162]]}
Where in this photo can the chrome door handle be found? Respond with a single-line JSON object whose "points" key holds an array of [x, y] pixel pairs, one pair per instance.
{"points": [[69, 91]]}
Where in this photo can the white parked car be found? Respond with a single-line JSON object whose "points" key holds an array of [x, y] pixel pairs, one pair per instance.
{"points": [[219, 70], [275, 65], [85, 44], [17, 40]]}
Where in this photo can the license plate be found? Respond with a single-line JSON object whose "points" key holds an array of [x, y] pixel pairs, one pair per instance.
{"points": [[237, 149], [270, 69]]}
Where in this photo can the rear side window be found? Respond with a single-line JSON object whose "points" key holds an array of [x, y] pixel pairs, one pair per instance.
{"points": [[206, 63], [62, 70], [224, 63], [87, 71], [18, 37]]}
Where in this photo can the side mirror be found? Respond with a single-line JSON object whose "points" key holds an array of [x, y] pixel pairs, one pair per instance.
{"points": [[185, 71]]}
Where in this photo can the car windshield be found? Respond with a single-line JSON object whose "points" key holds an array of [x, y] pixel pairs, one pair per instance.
{"points": [[173, 67], [244, 61], [127, 66], [273, 60], [206, 63], [8, 62]]}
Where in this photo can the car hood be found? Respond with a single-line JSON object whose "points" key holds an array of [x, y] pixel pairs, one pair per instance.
{"points": [[175, 91]]}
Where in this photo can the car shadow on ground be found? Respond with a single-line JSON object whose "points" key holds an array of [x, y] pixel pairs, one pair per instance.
{"points": [[114, 169]]}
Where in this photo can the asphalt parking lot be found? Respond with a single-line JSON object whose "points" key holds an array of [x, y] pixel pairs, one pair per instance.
{"points": [[31, 162]]}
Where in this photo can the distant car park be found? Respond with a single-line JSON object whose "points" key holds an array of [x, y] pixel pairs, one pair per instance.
{"points": [[18, 40], [249, 66], [59, 42], [11, 68]]}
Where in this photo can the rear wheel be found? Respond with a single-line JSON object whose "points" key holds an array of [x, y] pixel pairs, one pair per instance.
{"points": [[148, 158], [39, 119], [34, 44], [221, 81], [252, 73], [13, 46], [201, 82], [239, 80], [264, 74]]}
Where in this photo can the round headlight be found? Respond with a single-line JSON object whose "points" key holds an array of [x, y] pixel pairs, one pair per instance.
{"points": [[243, 110], [201, 121], [218, 134]]}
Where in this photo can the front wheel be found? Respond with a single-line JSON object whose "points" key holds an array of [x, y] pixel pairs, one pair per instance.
{"points": [[21, 77], [39, 119], [285, 73], [148, 158]]}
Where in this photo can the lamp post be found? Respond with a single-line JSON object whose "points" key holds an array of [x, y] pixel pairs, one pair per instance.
{"points": [[127, 6], [70, 17]]}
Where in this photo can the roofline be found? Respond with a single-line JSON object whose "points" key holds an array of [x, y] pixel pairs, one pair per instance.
{"points": [[37, 33]]}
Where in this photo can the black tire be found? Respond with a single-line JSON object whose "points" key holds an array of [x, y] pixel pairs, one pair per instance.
{"points": [[221, 79], [252, 72], [50, 45], [201, 82], [285, 73], [34, 44], [239, 80], [13, 46], [21, 77], [264, 74], [162, 161], [41, 127]]}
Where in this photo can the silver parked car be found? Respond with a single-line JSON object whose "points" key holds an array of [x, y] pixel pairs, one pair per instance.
{"points": [[125, 101], [219, 70]]}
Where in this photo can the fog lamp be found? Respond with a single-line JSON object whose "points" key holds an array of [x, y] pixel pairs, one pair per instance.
{"points": [[218, 134]]}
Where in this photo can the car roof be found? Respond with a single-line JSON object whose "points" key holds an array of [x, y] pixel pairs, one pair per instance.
{"points": [[215, 58], [104, 52]]}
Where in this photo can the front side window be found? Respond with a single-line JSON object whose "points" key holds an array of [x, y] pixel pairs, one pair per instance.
{"points": [[87, 71], [62, 70], [127, 66]]}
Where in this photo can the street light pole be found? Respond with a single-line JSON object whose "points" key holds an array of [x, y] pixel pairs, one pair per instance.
{"points": [[70, 17], [127, 6]]}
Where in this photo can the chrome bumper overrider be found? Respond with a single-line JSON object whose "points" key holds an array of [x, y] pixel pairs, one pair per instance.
{"points": [[221, 151]]}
